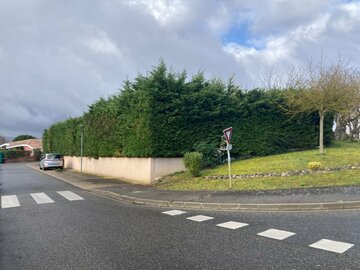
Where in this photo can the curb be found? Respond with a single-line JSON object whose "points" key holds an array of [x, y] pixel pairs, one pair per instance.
{"points": [[347, 205], [271, 207]]}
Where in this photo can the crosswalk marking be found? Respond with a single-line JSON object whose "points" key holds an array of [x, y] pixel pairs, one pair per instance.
{"points": [[324, 244], [232, 225], [41, 198], [199, 218], [330, 245], [174, 212], [276, 234], [71, 196], [9, 201]]}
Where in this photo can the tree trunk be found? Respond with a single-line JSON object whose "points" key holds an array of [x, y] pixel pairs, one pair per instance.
{"points": [[321, 133]]}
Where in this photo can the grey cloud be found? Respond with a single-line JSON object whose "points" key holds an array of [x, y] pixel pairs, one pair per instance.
{"points": [[58, 57]]}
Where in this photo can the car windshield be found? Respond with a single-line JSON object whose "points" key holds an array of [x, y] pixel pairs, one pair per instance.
{"points": [[54, 156]]}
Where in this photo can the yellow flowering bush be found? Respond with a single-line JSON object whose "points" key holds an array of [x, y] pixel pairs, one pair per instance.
{"points": [[314, 165]]}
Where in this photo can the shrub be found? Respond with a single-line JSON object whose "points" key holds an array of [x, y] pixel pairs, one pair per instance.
{"points": [[314, 165], [211, 156], [193, 162], [37, 154]]}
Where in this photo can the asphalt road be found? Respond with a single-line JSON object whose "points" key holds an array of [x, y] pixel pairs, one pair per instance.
{"points": [[99, 233]]}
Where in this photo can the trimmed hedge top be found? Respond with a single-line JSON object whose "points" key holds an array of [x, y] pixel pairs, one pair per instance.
{"points": [[163, 114]]}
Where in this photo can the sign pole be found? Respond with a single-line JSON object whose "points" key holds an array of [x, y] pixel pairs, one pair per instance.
{"points": [[229, 160], [228, 134]]}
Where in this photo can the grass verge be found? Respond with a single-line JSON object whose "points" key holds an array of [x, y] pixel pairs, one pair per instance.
{"points": [[339, 154]]}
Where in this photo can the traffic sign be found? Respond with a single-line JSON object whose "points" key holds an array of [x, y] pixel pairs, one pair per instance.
{"points": [[227, 134], [229, 147]]}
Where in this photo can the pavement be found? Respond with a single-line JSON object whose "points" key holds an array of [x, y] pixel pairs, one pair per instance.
{"points": [[311, 199]]}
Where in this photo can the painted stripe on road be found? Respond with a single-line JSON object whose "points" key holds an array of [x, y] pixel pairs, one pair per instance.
{"points": [[71, 196], [276, 234], [330, 245], [232, 225], [199, 218], [41, 198], [174, 212], [9, 201]]}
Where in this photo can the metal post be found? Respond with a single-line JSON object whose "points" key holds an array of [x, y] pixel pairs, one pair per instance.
{"points": [[81, 147], [229, 160], [227, 134]]}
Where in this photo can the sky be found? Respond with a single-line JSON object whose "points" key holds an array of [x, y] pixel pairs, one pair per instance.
{"points": [[58, 57]]}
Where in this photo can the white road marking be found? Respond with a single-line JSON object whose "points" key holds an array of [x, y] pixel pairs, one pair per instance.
{"points": [[71, 196], [199, 218], [330, 245], [232, 225], [173, 212], [9, 201], [41, 198], [276, 234]]}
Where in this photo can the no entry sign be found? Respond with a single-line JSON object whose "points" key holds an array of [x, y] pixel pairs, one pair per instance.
{"points": [[227, 134]]}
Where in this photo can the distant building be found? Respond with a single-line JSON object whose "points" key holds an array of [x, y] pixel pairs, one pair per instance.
{"points": [[4, 145], [28, 145]]}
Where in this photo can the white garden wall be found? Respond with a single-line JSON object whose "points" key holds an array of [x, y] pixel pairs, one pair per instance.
{"points": [[140, 170]]}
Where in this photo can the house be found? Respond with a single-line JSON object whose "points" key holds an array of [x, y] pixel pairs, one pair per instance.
{"points": [[28, 145], [4, 145]]}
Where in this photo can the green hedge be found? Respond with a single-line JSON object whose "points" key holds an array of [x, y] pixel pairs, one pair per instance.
{"points": [[163, 114], [14, 154]]}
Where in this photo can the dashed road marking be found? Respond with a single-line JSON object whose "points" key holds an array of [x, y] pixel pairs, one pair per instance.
{"points": [[232, 225], [330, 245], [199, 218], [41, 198], [324, 244], [276, 234], [9, 201], [71, 196], [174, 212]]}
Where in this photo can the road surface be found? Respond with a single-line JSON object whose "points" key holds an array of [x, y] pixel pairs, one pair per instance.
{"points": [[48, 224]]}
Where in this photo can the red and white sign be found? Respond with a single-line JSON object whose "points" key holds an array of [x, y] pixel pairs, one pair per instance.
{"points": [[227, 134]]}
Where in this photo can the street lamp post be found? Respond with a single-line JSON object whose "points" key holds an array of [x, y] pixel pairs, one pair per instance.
{"points": [[81, 147]]}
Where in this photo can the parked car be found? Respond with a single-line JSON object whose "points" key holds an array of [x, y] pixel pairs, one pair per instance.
{"points": [[51, 160]]}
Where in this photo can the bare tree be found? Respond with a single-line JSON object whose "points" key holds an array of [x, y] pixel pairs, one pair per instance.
{"points": [[2, 140], [270, 77], [324, 89]]}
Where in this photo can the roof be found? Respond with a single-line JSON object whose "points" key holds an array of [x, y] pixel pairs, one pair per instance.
{"points": [[32, 143], [4, 145]]}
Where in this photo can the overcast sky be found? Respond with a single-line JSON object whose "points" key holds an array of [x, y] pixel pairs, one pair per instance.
{"points": [[59, 56]]}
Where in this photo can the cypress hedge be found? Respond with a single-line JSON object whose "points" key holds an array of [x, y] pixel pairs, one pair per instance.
{"points": [[163, 114]]}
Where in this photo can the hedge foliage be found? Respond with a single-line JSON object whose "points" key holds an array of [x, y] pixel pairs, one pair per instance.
{"points": [[14, 154], [163, 114]]}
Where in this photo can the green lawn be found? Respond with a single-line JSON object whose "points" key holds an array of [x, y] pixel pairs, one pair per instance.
{"points": [[340, 153]]}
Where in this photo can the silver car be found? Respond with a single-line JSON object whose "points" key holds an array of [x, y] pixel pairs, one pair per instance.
{"points": [[51, 160]]}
